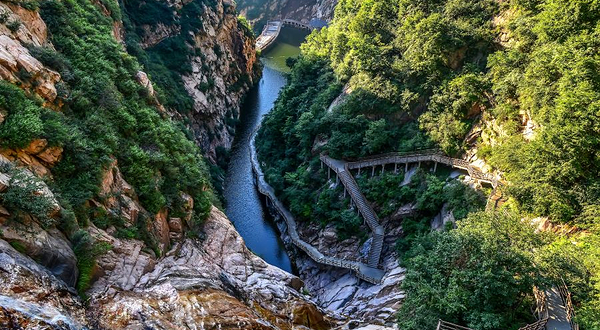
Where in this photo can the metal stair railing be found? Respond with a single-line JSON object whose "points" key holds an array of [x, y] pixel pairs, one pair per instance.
{"points": [[363, 207]]}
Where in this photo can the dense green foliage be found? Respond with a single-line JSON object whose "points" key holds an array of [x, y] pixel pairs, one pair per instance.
{"points": [[436, 65], [108, 114], [24, 123], [426, 193], [421, 73], [25, 193], [479, 275], [552, 74], [403, 57]]}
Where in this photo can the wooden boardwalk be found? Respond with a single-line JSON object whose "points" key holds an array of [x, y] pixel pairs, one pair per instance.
{"points": [[268, 35], [272, 29], [363, 206], [362, 271], [432, 156]]}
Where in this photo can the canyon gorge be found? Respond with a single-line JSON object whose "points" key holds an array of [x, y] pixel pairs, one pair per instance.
{"points": [[379, 165]]}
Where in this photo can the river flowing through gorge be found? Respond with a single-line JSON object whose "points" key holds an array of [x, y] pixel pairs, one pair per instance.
{"points": [[244, 205]]}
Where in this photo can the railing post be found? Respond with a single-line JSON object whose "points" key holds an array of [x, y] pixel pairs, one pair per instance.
{"points": [[434, 167], [382, 169], [358, 171], [406, 167], [328, 173], [373, 171], [395, 168]]}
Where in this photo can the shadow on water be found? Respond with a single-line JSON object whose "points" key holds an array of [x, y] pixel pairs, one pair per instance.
{"points": [[245, 207]]}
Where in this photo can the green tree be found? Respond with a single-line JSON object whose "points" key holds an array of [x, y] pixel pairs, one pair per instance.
{"points": [[480, 275]]}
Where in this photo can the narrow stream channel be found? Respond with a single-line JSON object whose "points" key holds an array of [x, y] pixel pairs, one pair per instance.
{"points": [[244, 205]]}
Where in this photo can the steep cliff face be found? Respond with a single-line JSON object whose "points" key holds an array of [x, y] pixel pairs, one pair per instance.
{"points": [[214, 282], [75, 219], [211, 57], [260, 11]]}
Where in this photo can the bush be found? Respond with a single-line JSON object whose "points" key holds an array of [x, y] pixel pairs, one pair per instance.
{"points": [[86, 251], [25, 194], [23, 123], [4, 16], [14, 25], [480, 275]]}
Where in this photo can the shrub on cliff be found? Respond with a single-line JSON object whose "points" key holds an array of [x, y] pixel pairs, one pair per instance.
{"points": [[86, 251], [26, 194], [480, 275], [23, 123]]}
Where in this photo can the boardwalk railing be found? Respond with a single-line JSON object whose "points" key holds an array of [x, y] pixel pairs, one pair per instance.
{"points": [[541, 303], [364, 272], [433, 155], [425, 156], [297, 24], [539, 325], [568, 303], [443, 325], [362, 205]]}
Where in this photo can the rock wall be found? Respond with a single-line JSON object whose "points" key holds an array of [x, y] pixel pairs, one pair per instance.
{"points": [[230, 57], [222, 60], [205, 277], [260, 11]]}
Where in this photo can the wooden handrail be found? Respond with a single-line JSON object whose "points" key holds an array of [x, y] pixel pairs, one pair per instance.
{"points": [[565, 295], [424, 156], [443, 325], [539, 325]]}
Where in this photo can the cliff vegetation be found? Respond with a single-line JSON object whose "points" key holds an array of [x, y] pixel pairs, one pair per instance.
{"points": [[510, 85]]}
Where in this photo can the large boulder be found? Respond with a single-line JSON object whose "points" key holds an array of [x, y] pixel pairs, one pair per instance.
{"points": [[48, 247], [31, 297], [213, 282]]}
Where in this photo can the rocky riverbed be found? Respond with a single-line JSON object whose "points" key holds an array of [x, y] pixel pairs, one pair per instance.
{"points": [[338, 290]]}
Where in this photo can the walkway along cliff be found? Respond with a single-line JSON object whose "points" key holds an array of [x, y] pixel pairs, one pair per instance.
{"points": [[368, 272], [363, 271], [272, 29]]}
